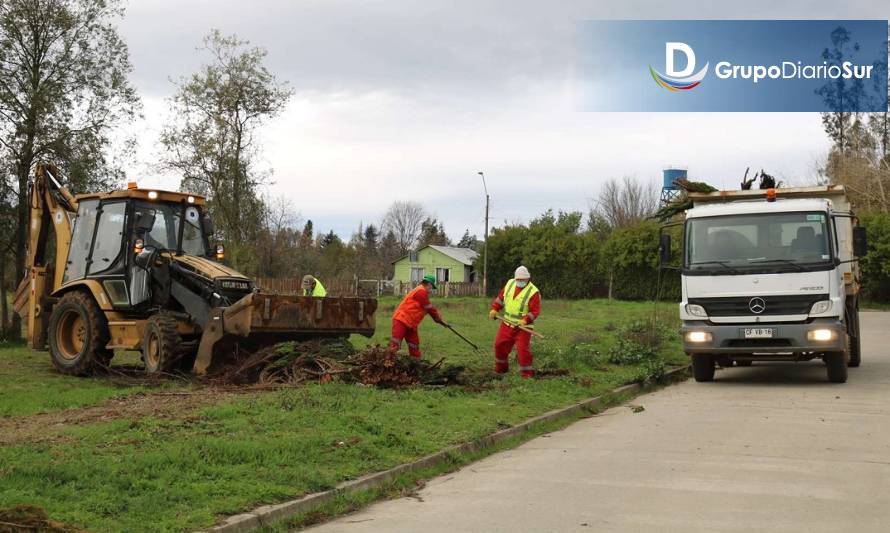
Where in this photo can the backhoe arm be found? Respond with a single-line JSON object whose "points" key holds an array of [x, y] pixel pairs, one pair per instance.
{"points": [[50, 205]]}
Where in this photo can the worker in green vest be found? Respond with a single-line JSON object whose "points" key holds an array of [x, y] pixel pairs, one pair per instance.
{"points": [[521, 303], [313, 287]]}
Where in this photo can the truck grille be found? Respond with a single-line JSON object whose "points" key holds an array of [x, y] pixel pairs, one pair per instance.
{"points": [[797, 304]]}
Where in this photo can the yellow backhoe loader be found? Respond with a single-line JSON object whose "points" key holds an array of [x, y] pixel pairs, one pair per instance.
{"points": [[135, 270]]}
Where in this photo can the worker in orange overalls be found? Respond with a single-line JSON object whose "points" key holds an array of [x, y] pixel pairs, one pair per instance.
{"points": [[410, 313], [521, 302]]}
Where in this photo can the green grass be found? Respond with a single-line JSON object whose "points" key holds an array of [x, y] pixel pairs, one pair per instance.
{"points": [[182, 473], [872, 305], [29, 384]]}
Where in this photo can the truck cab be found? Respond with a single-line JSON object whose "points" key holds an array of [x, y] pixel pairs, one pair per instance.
{"points": [[769, 276]]}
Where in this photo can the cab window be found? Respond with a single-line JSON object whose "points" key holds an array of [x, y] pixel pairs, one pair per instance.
{"points": [[109, 237], [81, 237]]}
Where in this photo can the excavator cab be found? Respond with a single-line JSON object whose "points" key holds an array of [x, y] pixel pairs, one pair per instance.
{"points": [[135, 270]]}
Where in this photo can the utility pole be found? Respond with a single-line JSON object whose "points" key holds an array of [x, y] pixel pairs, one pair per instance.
{"points": [[485, 250]]}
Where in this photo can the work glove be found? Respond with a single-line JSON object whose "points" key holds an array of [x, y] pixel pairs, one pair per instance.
{"points": [[438, 320], [493, 314], [524, 321]]}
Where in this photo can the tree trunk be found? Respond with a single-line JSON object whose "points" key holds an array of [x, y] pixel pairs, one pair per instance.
{"points": [[4, 305], [610, 285], [23, 226]]}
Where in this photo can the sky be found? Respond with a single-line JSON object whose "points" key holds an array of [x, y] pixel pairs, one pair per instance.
{"points": [[405, 100]]}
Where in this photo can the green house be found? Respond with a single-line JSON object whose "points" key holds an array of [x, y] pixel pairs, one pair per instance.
{"points": [[447, 263]]}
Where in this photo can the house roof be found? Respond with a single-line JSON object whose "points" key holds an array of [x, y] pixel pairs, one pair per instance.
{"points": [[465, 256]]}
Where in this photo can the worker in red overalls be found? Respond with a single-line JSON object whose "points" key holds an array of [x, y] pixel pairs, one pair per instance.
{"points": [[521, 302], [410, 313]]}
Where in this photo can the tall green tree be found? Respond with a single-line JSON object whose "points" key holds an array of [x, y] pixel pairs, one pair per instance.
{"points": [[432, 232], [64, 92], [211, 139], [563, 259], [389, 251], [468, 241]]}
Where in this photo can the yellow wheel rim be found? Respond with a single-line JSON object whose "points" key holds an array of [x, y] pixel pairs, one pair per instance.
{"points": [[152, 352], [71, 335]]}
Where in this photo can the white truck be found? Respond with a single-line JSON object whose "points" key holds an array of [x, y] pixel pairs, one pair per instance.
{"points": [[770, 275]]}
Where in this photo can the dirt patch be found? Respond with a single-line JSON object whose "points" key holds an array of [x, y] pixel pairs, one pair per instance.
{"points": [[26, 518], [170, 404]]}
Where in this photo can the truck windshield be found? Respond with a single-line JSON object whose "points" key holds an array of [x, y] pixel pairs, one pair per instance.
{"points": [[165, 231], [779, 241]]}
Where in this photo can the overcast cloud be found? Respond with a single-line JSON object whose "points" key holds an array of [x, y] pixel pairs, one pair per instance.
{"points": [[408, 100]]}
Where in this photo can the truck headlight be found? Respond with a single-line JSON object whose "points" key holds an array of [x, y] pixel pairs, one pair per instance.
{"points": [[696, 310], [698, 337], [820, 307], [820, 335]]}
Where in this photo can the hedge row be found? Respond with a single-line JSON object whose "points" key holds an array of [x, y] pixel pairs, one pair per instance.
{"points": [[568, 261]]}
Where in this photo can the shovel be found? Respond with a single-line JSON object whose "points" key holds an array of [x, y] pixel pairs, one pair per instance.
{"points": [[466, 340], [523, 328]]}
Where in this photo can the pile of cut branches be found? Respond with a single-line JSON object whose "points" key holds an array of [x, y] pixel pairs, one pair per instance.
{"points": [[384, 367], [320, 361]]}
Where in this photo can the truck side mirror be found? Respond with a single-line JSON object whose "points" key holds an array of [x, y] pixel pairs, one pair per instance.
{"points": [[860, 243], [664, 249]]}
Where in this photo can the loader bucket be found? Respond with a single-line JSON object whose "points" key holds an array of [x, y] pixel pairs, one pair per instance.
{"points": [[260, 319]]}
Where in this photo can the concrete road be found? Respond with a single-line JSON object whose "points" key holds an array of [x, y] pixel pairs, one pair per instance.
{"points": [[765, 448]]}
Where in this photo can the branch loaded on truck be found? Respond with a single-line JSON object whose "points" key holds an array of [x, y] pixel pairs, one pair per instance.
{"points": [[135, 270], [770, 275]]}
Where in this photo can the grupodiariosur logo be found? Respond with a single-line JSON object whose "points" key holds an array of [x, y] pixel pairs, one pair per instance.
{"points": [[681, 80]]}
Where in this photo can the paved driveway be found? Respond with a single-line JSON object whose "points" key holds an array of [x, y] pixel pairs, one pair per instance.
{"points": [[765, 448]]}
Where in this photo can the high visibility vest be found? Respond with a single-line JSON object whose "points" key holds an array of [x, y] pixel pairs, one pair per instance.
{"points": [[318, 291], [410, 312], [516, 306]]}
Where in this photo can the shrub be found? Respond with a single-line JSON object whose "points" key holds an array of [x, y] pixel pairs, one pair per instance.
{"points": [[876, 263]]}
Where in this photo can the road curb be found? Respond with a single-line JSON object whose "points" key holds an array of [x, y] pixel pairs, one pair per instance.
{"points": [[270, 514]]}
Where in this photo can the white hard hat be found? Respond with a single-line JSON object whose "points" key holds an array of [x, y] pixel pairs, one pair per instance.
{"points": [[521, 273]]}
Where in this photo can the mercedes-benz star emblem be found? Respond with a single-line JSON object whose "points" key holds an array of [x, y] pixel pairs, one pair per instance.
{"points": [[757, 305]]}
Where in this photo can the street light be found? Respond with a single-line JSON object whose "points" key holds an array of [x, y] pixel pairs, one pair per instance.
{"points": [[485, 250]]}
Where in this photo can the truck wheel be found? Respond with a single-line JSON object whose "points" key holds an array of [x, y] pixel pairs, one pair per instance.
{"points": [[836, 364], [703, 368], [78, 333], [161, 344]]}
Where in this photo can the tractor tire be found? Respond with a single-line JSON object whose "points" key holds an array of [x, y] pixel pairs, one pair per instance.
{"points": [[161, 345], [703, 367], [78, 334], [836, 365]]}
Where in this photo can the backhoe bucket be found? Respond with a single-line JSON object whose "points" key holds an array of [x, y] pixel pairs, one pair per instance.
{"points": [[260, 319]]}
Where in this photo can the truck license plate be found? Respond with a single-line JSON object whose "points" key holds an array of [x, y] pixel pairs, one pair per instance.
{"points": [[759, 333]]}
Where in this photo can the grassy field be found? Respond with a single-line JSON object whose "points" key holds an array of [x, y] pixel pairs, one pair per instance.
{"points": [[101, 455]]}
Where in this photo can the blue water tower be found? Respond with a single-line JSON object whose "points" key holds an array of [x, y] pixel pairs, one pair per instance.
{"points": [[669, 189]]}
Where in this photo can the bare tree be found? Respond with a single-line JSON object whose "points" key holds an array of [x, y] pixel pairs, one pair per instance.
{"points": [[280, 238], [405, 220], [625, 201]]}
